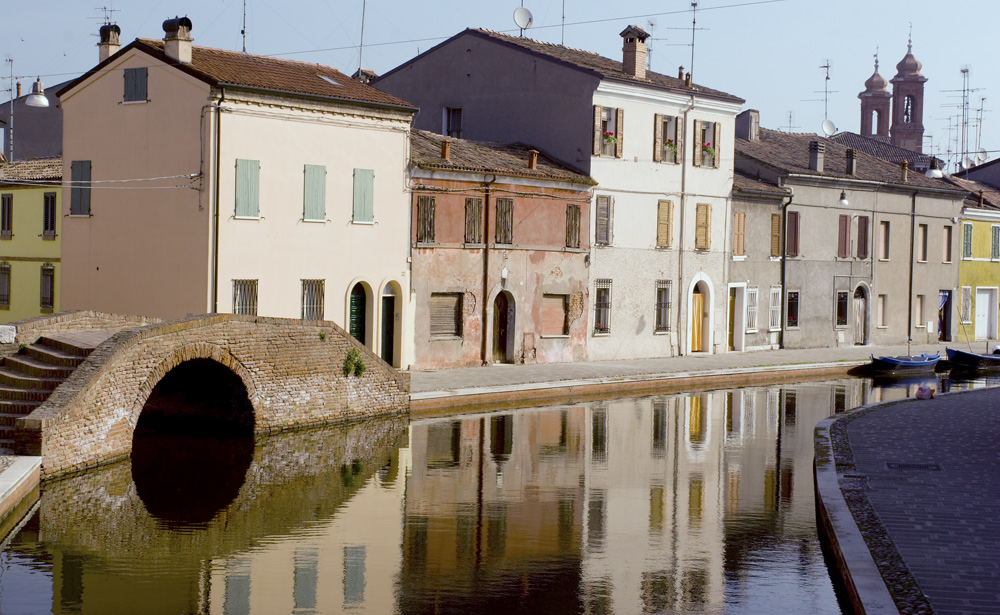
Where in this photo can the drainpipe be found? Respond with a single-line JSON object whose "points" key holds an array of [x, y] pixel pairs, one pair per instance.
{"points": [[486, 268], [682, 332], [909, 298], [218, 165], [783, 252]]}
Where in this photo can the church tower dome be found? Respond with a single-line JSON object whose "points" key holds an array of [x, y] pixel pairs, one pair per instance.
{"points": [[908, 103], [875, 103]]}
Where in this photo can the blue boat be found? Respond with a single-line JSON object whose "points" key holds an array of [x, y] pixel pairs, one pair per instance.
{"points": [[910, 364], [971, 361]]}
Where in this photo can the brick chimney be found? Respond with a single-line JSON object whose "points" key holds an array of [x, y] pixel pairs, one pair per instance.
{"points": [[852, 162], [748, 125], [532, 159], [177, 39], [109, 44], [446, 149], [817, 151], [634, 51]]}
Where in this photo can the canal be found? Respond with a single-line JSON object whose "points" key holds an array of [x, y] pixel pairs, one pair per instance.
{"points": [[696, 502]]}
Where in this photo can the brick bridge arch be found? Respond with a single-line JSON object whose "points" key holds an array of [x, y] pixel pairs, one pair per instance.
{"points": [[292, 370]]}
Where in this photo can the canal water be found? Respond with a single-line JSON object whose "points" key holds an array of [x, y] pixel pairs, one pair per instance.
{"points": [[699, 502]]}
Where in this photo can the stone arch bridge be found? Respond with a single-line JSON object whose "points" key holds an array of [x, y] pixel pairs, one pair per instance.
{"points": [[292, 372]]}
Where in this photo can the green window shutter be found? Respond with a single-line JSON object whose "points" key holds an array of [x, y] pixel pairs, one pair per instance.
{"points": [[314, 206], [967, 241], [80, 190], [247, 188], [364, 195]]}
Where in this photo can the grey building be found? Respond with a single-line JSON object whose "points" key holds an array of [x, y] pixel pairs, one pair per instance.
{"points": [[37, 130]]}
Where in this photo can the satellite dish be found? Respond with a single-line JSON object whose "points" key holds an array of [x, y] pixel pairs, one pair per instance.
{"points": [[981, 156], [829, 129], [968, 164], [523, 18]]}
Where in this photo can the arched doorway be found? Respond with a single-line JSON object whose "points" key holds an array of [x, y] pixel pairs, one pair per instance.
{"points": [[388, 319], [699, 328], [358, 324], [860, 316], [503, 327]]}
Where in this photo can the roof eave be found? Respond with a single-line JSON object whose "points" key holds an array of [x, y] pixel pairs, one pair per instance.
{"points": [[316, 97]]}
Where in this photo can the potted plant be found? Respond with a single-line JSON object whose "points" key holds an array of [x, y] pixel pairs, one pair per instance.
{"points": [[610, 138], [708, 150], [671, 146]]}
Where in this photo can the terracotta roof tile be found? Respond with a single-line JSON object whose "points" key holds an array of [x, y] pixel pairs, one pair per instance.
{"points": [[991, 195], [31, 170], [882, 149], [484, 157], [743, 182]]}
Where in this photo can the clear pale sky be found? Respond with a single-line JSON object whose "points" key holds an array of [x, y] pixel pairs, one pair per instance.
{"points": [[768, 52]]}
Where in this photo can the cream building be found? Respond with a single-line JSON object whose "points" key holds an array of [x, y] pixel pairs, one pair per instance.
{"points": [[206, 180]]}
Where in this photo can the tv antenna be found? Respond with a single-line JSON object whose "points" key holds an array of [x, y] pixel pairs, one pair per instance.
{"points": [[243, 32], [649, 47], [361, 45], [523, 18], [694, 23], [826, 90], [108, 13], [790, 122]]}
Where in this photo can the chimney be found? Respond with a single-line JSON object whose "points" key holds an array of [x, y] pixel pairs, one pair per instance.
{"points": [[18, 90], [634, 51], [446, 149], [687, 80], [905, 170], [817, 151], [982, 200], [177, 39], [748, 125], [680, 72], [109, 44], [532, 159], [852, 162]]}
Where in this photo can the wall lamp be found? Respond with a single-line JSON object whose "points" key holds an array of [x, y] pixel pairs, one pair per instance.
{"points": [[843, 198]]}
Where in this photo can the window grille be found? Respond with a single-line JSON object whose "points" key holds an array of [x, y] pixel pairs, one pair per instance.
{"points": [[505, 221], [245, 297], [842, 302], [751, 325], [774, 309], [48, 297], [312, 299], [5, 285], [473, 220], [425, 219], [663, 305], [602, 306], [792, 309]]}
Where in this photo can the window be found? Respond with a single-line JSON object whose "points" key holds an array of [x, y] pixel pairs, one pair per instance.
{"points": [[922, 243], [862, 237], [425, 219], [49, 216], [662, 305], [314, 193], [364, 195], [245, 297], [48, 298], [966, 240], [947, 244], [247, 188], [554, 315], [706, 149], [883, 240], [751, 325], [605, 211], [792, 234], [966, 307], [608, 124], [313, 292], [703, 227], [775, 235], [918, 307], [6, 216], [995, 246], [664, 224], [453, 122], [739, 233], [79, 194], [792, 309], [135, 84], [4, 286], [505, 221], [602, 306], [881, 312], [473, 220], [446, 315], [842, 303], [774, 309], [572, 225], [908, 109], [844, 238], [667, 133]]}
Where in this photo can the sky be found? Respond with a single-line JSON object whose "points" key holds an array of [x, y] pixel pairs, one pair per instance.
{"points": [[768, 52]]}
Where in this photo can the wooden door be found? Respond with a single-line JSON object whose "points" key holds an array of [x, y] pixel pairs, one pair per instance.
{"points": [[388, 329], [697, 315], [358, 307], [860, 323], [732, 319], [500, 328]]}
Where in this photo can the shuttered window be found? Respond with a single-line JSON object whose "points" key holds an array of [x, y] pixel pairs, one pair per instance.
{"points": [[505, 221], [602, 306], [706, 151], [247, 188], [608, 131], [774, 309], [48, 294], [554, 315], [662, 305], [245, 297], [425, 219], [364, 195], [314, 193], [664, 224], [995, 246], [751, 324], [740, 233], [79, 194], [572, 225], [792, 234], [6, 215], [49, 216], [884, 240], [862, 237], [446, 315], [666, 142], [473, 220], [135, 84], [605, 207], [703, 227], [313, 293], [966, 240], [775, 235], [4, 286], [844, 237]]}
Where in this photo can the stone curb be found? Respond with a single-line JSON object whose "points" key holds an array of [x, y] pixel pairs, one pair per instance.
{"points": [[19, 484]]}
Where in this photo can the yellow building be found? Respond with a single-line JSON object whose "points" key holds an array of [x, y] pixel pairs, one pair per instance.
{"points": [[29, 237], [979, 268]]}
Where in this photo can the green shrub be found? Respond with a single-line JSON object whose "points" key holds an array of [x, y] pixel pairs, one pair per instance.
{"points": [[354, 363]]}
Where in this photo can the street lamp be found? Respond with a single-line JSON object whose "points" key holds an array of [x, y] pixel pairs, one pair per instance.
{"points": [[843, 198], [37, 97]]}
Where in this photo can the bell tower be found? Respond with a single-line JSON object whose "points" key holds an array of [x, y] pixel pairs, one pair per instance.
{"points": [[908, 103], [875, 103]]}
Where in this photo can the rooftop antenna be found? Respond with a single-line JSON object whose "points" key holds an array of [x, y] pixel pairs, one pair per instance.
{"points": [[361, 46], [826, 88], [649, 48], [562, 31], [108, 13], [10, 124], [523, 18], [243, 32], [694, 22], [790, 122]]}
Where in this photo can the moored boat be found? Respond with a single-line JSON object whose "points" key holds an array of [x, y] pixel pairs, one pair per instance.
{"points": [[970, 360], [910, 364]]}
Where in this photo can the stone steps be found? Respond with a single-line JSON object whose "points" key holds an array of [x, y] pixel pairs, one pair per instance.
{"points": [[29, 377]]}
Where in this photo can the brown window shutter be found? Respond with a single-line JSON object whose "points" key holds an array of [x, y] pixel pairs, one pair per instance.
{"points": [[698, 154], [619, 132], [603, 214], [792, 234], [703, 226], [717, 145], [553, 315], [663, 219], [657, 137], [597, 130], [446, 314], [863, 237], [775, 235], [679, 139], [844, 239], [739, 233]]}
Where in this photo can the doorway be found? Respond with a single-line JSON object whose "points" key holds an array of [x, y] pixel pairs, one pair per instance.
{"points": [[502, 327], [860, 316], [357, 323], [944, 315], [388, 345], [697, 317], [986, 313]]}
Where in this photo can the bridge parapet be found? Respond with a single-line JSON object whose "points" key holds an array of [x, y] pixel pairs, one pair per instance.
{"points": [[292, 371]]}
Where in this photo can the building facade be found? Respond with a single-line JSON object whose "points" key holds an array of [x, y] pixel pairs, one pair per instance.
{"points": [[979, 268]]}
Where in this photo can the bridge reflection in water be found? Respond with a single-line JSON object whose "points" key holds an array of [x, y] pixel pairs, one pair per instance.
{"points": [[675, 503]]}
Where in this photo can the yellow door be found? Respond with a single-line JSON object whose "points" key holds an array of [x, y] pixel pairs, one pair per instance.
{"points": [[697, 313], [732, 319]]}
